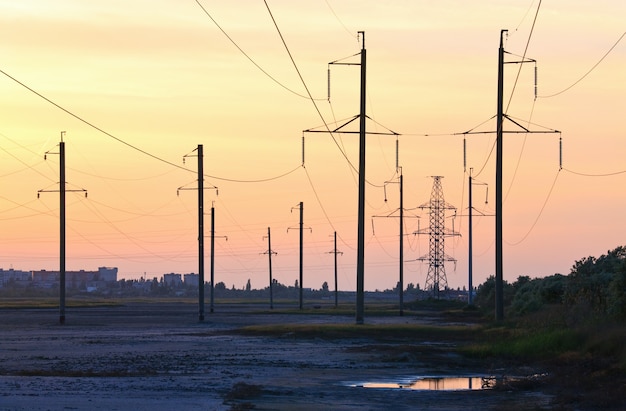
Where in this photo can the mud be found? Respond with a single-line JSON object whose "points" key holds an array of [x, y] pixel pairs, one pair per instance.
{"points": [[160, 357]]}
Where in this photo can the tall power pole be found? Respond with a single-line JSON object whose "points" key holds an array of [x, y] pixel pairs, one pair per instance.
{"points": [[200, 188], [360, 265], [201, 234], [401, 237], [269, 253], [335, 252], [500, 117], [436, 278], [499, 127], [62, 192], [301, 228], [360, 262]]}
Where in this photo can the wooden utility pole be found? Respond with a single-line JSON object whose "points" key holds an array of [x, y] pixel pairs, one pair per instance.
{"points": [[200, 189], [360, 263], [201, 234], [499, 127], [62, 192], [269, 254], [335, 252]]}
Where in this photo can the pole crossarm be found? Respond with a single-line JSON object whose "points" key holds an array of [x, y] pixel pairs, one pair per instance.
{"points": [[77, 190], [185, 187], [524, 130], [340, 129]]}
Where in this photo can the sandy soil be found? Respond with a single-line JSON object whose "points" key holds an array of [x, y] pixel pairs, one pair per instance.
{"points": [[159, 357]]}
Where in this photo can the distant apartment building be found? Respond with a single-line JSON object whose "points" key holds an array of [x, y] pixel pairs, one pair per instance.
{"points": [[173, 280], [76, 279], [17, 277], [191, 280]]}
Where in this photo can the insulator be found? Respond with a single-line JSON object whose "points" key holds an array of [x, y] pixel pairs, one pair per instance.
{"points": [[328, 83], [397, 153], [302, 149], [560, 153], [464, 154], [535, 80]]}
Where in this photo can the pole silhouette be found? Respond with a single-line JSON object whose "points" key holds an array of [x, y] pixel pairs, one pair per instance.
{"points": [[269, 253], [360, 263], [62, 193], [200, 188], [499, 289]]}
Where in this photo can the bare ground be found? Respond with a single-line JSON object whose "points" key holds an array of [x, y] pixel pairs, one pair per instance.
{"points": [[160, 357]]}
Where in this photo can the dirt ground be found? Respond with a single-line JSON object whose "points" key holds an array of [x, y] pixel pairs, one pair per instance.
{"points": [[157, 357]]}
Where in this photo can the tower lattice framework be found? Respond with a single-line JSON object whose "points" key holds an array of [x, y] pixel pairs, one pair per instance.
{"points": [[436, 278]]}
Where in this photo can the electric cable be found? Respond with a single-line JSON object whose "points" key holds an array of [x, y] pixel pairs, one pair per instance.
{"points": [[588, 72], [523, 57], [250, 58], [339, 20], [538, 215], [594, 175], [86, 122], [136, 148]]}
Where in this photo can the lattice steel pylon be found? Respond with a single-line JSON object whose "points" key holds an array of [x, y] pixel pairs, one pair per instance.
{"points": [[436, 278]]}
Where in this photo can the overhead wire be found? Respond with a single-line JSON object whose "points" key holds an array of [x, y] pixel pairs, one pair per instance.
{"points": [[532, 227], [339, 20], [589, 71], [88, 123], [523, 57], [595, 175], [134, 147], [250, 58]]}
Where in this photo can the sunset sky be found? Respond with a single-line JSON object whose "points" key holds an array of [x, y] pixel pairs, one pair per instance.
{"points": [[142, 83]]}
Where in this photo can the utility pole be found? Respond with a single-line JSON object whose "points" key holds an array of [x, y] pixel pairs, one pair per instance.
{"points": [[301, 225], [360, 266], [401, 246], [201, 233], [62, 191], [499, 127], [360, 263], [500, 117], [213, 257], [200, 188], [335, 252], [470, 269], [469, 251], [269, 253], [401, 256]]}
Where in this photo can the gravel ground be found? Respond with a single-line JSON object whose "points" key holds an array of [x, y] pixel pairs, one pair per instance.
{"points": [[157, 357]]}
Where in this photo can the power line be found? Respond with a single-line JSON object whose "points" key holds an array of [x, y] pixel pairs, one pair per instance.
{"points": [[142, 151], [250, 58], [538, 215], [339, 20], [82, 120], [595, 175], [523, 57], [260, 180], [590, 70]]}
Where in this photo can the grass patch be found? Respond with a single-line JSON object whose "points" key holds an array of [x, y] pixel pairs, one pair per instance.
{"points": [[54, 303], [523, 344], [379, 332]]}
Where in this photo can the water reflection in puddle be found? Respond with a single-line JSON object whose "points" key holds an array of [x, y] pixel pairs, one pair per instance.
{"points": [[433, 383]]}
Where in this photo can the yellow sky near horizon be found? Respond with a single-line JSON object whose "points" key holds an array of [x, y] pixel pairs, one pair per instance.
{"points": [[163, 78]]}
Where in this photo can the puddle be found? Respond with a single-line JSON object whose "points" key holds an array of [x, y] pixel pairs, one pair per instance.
{"points": [[433, 383]]}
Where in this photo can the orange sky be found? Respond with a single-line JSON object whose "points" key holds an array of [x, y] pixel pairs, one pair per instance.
{"points": [[163, 78]]}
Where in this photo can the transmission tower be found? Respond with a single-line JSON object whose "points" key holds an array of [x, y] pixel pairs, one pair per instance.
{"points": [[436, 278]]}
